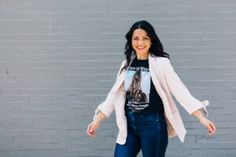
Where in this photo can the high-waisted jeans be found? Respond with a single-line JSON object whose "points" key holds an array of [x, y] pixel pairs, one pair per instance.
{"points": [[146, 132]]}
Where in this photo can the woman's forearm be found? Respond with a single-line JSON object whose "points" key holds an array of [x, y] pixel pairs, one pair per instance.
{"points": [[100, 117], [198, 114]]}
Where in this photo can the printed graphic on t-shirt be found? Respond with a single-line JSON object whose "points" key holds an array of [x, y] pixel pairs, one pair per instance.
{"points": [[137, 86]]}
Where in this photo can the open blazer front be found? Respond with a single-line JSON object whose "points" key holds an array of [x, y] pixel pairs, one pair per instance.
{"points": [[167, 83]]}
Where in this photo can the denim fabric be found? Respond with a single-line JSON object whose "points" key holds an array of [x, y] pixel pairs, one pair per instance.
{"points": [[146, 132]]}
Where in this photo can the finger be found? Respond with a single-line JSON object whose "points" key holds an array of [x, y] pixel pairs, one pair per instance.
{"points": [[214, 127], [211, 129], [90, 131]]}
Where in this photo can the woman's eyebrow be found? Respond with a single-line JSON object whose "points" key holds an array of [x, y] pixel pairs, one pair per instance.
{"points": [[141, 37]]}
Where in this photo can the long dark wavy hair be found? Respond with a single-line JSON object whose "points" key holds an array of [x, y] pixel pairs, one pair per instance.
{"points": [[156, 48]]}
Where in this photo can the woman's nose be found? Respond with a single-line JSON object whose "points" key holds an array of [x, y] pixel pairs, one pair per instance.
{"points": [[140, 42]]}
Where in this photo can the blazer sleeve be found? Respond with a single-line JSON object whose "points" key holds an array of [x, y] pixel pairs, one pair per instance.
{"points": [[107, 106], [180, 91]]}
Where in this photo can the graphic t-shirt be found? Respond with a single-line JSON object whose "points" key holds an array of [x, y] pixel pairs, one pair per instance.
{"points": [[140, 90]]}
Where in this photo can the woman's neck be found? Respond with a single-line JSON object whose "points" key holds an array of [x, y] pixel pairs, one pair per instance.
{"points": [[142, 57]]}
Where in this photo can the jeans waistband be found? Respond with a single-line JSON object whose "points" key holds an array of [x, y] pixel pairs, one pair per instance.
{"points": [[144, 118]]}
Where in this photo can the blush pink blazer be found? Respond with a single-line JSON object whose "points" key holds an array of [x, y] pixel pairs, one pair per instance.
{"points": [[167, 84]]}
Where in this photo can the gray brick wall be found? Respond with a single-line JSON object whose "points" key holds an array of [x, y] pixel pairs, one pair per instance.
{"points": [[58, 59]]}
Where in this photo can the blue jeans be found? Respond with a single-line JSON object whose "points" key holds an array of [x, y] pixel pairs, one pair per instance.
{"points": [[146, 132]]}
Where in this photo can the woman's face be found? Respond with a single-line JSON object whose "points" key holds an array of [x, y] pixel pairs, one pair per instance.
{"points": [[141, 42]]}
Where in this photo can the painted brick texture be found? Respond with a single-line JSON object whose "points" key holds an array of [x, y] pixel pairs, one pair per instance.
{"points": [[58, 60]]}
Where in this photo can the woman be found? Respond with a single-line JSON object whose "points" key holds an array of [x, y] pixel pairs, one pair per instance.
{"points": [[147, 125]]}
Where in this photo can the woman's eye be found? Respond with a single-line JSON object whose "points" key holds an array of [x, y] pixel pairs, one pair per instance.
{"points": [[146, 38]]}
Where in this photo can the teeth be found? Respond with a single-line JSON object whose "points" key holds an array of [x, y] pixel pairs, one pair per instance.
{"points": [[140, 47]]}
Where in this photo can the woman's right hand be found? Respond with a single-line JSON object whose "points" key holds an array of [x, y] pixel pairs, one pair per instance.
{"points": [[92, 127]]}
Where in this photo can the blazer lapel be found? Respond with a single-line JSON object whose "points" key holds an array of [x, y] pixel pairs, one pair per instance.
{"points": [[158, 87], [121, 76]]}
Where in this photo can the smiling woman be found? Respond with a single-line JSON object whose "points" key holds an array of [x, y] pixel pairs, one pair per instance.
{"points": [[146, 113]]}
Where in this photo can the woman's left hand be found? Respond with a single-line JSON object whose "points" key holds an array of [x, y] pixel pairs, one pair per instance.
{"points": [[209, 125]]}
